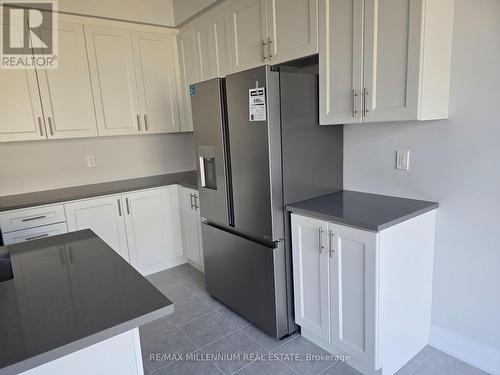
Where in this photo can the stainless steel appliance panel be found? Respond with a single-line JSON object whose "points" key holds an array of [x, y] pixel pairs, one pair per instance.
{"points": [[312, 154], [247, 276], [255, 155], [210, 148]]}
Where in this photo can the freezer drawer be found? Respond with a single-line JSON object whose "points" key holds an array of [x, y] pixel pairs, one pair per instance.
{"points": [[248, 277]]}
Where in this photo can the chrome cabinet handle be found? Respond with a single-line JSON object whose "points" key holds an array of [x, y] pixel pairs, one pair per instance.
{"points": [[354, 103], [119, 207], [40, 126], [36, 237], [128, 207], [320, 246], [269, 49], [331, 238], [263, 50], [191, 195], [34, 218], [49, 119], [196, 202], [139, 122], [146, 122], [365, 102]]}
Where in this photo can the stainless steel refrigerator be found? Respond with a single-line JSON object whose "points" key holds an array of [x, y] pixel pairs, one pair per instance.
{"points": [[258, 148]]}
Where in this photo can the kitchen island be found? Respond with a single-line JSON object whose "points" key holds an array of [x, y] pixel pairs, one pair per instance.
{"points": [[73, 306]]}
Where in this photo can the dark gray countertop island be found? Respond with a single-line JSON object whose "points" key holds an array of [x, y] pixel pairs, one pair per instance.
{"points": [[14, 202], [371, 212], [69, 292]]}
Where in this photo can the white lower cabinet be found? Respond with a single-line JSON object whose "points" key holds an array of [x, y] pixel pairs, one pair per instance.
{"points": [[311, 271], [365, 294], [104, 216], [191, 226], [142, 226], [153, 228]]}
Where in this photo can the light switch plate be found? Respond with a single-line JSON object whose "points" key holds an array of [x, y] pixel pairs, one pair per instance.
{"points": [[403, 160]]}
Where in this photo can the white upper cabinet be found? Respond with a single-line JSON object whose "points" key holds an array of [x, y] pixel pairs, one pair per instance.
{"points": [[248, 33], [21, 117], [341, 68], [219, 42], [292, 29], [188, 74], [66, 92], [155, 61], [405, 60], [203, 49], [114, 80]]}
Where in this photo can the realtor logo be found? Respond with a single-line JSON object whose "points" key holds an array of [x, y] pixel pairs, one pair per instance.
{"points": [[29, 38]]}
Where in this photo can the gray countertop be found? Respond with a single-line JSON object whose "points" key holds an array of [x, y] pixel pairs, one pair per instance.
{"points": [[13, 202], [371, 212], [69, 292]]}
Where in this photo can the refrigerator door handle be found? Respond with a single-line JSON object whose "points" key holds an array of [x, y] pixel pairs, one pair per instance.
{"points": [[202, 172]]}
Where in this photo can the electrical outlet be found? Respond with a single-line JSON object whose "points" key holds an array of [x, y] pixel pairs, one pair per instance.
{"points": [[403, 160], [90, 161]]}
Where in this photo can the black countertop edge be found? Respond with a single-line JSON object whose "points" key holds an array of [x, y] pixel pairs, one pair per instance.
{"points": [[85, 342], [366, 211], [40, 198]]}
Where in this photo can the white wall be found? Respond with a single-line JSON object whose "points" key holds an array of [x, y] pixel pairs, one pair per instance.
{"points": [[159, 12], [183, 9], [41, 165], [455, 162]]}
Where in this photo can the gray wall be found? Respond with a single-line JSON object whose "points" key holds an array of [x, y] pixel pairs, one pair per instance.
{"points": [[41, 165], [455, 162]]}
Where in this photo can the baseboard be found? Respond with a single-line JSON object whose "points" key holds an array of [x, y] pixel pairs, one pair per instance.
{"points": [[484, 357], [163, 266]]}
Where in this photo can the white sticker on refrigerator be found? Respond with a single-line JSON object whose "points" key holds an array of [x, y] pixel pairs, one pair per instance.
{"points": [[257, 104]]}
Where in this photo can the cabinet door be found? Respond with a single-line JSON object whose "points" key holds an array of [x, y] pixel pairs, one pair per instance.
{"points": [[293, 29], [21, 117], [155, 63], [190, 225], [248, 30], [353, 285], [188, 72], [67, 97], [203, 49], [104, 216], [114, 81], [153, 228], [219, 39], [340, 61], [310, 275], [391, 59]]}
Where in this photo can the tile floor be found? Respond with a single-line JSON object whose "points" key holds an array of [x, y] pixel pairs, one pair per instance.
{"points": [[205, 337]]}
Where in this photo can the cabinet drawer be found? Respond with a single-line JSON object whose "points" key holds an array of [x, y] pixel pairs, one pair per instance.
{"points": [[34, 233], [31, 217]]}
